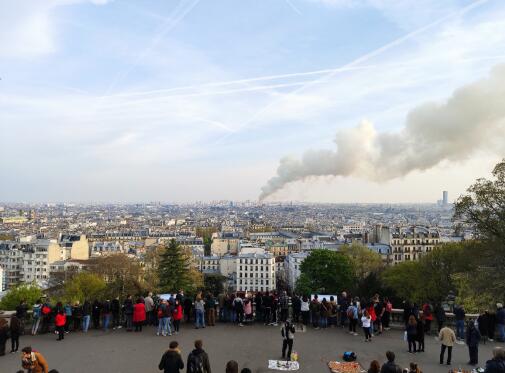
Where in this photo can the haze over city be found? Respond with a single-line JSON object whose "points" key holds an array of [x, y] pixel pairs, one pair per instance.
{"points": [[125, 101]]}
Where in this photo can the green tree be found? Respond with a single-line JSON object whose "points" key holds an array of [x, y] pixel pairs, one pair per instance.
{"points": [[174, 269], [207, 246], [214, 283], [28, 292], [325, 271], [483, 208], [364, 260], [84, 286]]}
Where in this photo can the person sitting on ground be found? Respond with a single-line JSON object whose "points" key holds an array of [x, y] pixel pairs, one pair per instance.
{"points": [[390, 366], [375, 367], [198, 360], [33, 361], [414, 368], [171, 361], [497, 363], [232, 366]]}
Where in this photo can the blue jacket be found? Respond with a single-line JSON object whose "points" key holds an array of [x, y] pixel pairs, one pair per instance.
{"points": [[500, 316], [472, 337], [495, 366]]}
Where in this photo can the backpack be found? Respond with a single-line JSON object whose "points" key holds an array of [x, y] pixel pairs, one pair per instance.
{"points": [[349, 356], [195, 363], [350, 313]]}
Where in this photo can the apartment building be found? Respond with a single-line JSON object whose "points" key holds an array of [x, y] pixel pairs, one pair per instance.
{"points": [[292, 265], [255, 272], [412, 243]]}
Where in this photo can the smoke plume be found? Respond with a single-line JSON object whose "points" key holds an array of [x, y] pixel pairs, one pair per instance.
{"points": [[471, 119]]}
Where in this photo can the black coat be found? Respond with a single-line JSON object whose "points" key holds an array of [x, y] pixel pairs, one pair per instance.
{"points": [[203, 356], [495, 366], [171, 362], [472, 337], [390, 367]]}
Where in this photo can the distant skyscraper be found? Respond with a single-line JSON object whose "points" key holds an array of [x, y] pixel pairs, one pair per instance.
{"points": [[445, 198]]}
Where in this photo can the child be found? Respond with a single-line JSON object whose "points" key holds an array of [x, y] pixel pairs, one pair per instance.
{"points": [[366, 321]]}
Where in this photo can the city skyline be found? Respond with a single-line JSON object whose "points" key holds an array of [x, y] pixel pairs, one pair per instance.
{"points": [[198, 101]]}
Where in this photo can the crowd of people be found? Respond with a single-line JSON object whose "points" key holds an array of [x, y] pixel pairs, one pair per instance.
{"points": [[167, 312]]}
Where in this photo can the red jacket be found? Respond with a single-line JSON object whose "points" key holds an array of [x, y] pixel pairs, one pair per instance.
{"points": [[139, 312], [177, 314], [60, 319]]}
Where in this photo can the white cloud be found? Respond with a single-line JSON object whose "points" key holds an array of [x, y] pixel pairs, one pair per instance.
{"points": [[27, 26]]}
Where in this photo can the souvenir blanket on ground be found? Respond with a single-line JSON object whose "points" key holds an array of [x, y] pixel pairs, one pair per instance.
{"points": [[283, 365], [345, 367]]}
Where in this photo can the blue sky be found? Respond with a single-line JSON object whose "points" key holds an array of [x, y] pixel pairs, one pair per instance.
{"points": [[187, 100]]}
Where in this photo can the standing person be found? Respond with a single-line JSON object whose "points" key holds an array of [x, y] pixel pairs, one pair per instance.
{"points": [[379, 313], [333, 318], [46, 316], [200, 312], [149, 303], [115, 307], [86, 315], [171, 361], [128, 312], [288, 335], [220, 301], [420, 334], [15, 329], [275, 307], [386, 315], [459, 314], [315, 311], [366, 322], [36, 315], [428, 317], [343, 305], [68, 316], [305, 311], [258, 300], [139, 315], [447, 339], [325, 313], [284, 305], [95, 313], [267, 308], [164, 313], [21, 313], [238, 305], [248, 313], [187, 309], [390, 366], [33, 361], [106, 314], [472, 341], [4, 335], [296, 305], [497, 363], [375, 367], [500, 321], [59, 322], [177, 315], [198, 360], [412, 334], [352, 316], [77, 316], [373, 316], [211, 310], [440, 315]]}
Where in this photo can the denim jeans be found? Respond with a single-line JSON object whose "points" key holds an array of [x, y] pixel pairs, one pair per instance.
{"points": [[200, 321], [106, 321], [323, 322], [35, 325], [162, 325], [460, 329], [168, 325], [501, 332], [85, 323]]}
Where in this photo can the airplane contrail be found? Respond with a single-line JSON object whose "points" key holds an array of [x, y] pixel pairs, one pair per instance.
{"points": [[168, 26], [362, 59]]}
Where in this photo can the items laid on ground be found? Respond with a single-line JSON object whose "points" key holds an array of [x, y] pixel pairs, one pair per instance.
{"points": [[283, 365], [344, 367]]}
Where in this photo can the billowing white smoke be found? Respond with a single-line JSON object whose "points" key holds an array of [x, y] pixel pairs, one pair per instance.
{"points": [[471, 119]]}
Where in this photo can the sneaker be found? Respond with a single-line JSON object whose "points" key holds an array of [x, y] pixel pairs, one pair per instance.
{"points": [[158, 334]]}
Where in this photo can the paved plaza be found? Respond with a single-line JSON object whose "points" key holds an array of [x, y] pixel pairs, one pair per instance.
{"points": [[119, 351]]}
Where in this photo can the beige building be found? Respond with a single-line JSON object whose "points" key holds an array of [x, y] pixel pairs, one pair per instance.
{"points": [[223, 246], [412, 243]]}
